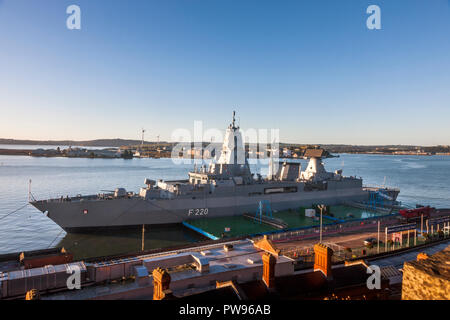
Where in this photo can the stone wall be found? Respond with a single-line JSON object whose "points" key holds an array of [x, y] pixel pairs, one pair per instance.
{"points": [[428, 278]]}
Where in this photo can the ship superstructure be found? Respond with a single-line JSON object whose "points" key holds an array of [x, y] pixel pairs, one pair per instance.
{"points": [[225, 187]]}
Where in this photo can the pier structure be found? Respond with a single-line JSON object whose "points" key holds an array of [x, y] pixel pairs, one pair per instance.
{"points": [[252, 268]]}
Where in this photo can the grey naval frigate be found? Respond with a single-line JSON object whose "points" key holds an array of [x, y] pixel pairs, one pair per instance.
{"points": [[225, 187]]}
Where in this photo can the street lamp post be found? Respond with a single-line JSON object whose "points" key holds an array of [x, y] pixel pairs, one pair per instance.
{"points": [[143, 238], [421, 224], [378, 238], [321, 207], [321, 225]]}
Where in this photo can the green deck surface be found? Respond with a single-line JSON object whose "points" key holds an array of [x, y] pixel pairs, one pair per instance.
{"points": [[350, 213], [241, 226], [297, 219]]}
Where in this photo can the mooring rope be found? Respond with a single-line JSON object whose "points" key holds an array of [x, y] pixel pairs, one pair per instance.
{"points": [[62, 230], [7, 215]]}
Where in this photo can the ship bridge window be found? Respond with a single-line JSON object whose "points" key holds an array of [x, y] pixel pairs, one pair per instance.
{"points": [[280, 190]]}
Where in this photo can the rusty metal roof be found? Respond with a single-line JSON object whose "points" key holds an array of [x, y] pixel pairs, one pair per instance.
{"points": [[315, 153]]}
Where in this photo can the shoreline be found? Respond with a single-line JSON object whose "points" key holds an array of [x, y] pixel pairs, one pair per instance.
{"points": [[28, 152], [21, 152]]}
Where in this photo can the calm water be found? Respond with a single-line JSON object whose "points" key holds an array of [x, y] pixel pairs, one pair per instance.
{"points": [[422, 179]]}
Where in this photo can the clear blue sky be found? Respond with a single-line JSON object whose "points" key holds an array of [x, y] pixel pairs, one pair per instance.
{"points": [[310, 68]]}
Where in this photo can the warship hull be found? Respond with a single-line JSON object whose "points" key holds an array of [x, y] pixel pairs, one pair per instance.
{"points": [[80, 216]]}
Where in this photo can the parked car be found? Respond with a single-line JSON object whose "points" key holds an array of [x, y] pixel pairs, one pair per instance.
{"points": [[370, 241]]}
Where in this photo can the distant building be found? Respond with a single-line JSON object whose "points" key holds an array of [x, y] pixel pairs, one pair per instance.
{"points": [[106, 153], [77, 153], [287, 152], [44, 153]]}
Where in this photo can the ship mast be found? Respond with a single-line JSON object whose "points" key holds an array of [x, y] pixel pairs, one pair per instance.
{"points": [[234, 120]]}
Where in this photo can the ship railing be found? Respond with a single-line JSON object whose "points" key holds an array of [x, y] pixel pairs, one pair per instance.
{"points": [[72, 199], [333, 228]]}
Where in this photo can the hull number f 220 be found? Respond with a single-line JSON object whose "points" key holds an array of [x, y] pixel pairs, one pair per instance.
{"points": [[198, 212]]}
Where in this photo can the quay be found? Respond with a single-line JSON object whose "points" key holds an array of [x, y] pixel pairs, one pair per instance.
{"points": [[205, 270]]}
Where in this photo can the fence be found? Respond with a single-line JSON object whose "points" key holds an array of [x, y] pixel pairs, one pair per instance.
{"points": [[305, 255], [328, 229]]}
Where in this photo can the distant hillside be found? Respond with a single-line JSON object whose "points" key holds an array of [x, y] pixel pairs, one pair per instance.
{"points": [[333, 148], [89, 143]]}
